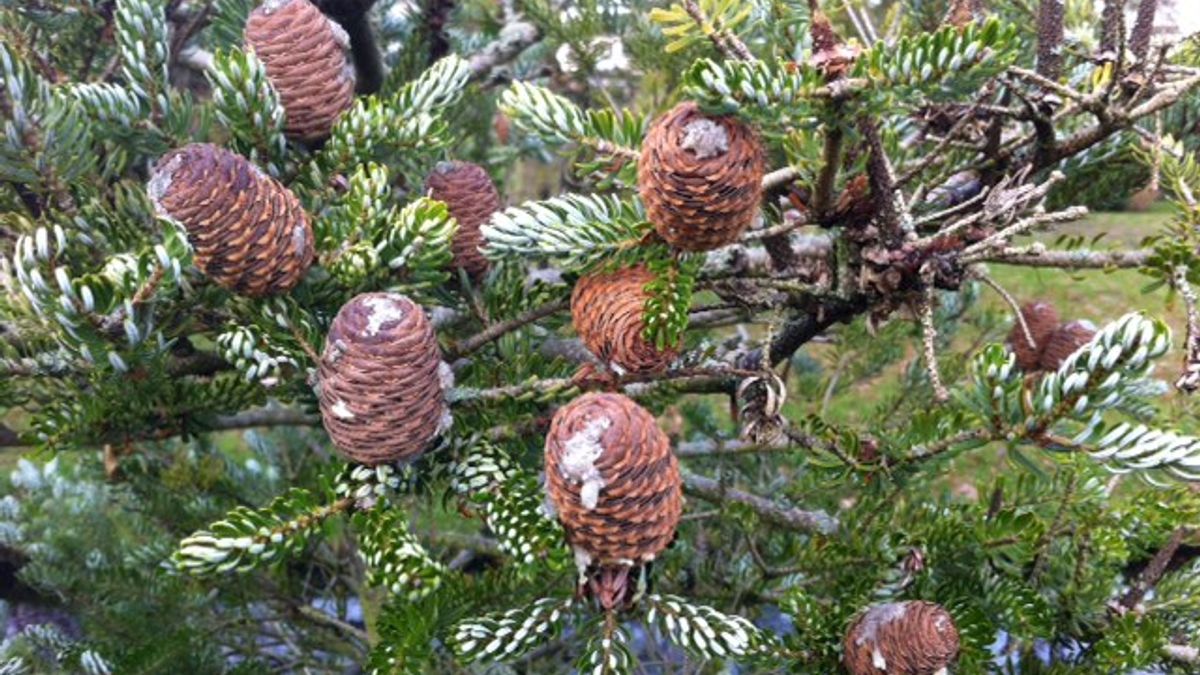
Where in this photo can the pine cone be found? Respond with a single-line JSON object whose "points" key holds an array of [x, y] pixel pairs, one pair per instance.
{"points": [[249, 232], [613, 480], [1042, 319], [472, 198], [305, 56], [382, 380], [700, 177], [1064, 341], [901, 638], [607, 310]]}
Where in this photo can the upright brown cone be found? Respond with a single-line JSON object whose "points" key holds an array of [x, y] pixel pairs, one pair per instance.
{"points": [[1042, 319], [249, 232], [607, 310], [614, 482], [305, 56], [1063, 342], [472, 198], [700, 177], [382, 380], [901, 638]]}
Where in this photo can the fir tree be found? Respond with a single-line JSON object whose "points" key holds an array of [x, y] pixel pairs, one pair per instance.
{"points": [[301, 394]]}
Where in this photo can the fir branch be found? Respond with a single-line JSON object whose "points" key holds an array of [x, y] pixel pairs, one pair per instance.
{"points": [[786, 517], [1189, 378], [251, 419], [1154, 571], [509, 635], [514, 38], [573, 230], [141, 30], [635, 385], [502, 328], [1037, 256], [929, 342], [554, 119], [930, 59], [248, 538], [690, 22], [395, 559], [726, 41], [1018, 315], [704, 632]]}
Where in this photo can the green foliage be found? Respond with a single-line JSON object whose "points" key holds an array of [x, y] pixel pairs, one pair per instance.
{"points": [[703, 631], [249, 107], [416, 244], [1001, 504], [607, 653], [141, 30], [371, 243], [670, 298], [510, 503], [576, 231], [247, 538], [229, 22], [556, 121], [755, 87], [683, 29], [508, 635], [930, 59], [393, 129], [254, 354], [395, 559]]}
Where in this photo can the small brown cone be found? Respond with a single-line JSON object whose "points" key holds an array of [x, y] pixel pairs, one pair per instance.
{"points": [[382, 380], [1064, 341], [472, 198], [607, 310], [831, 55], [700, 177], [1042, 319], [304, 53], [249, 232], [613, 481], [901, 638]]}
